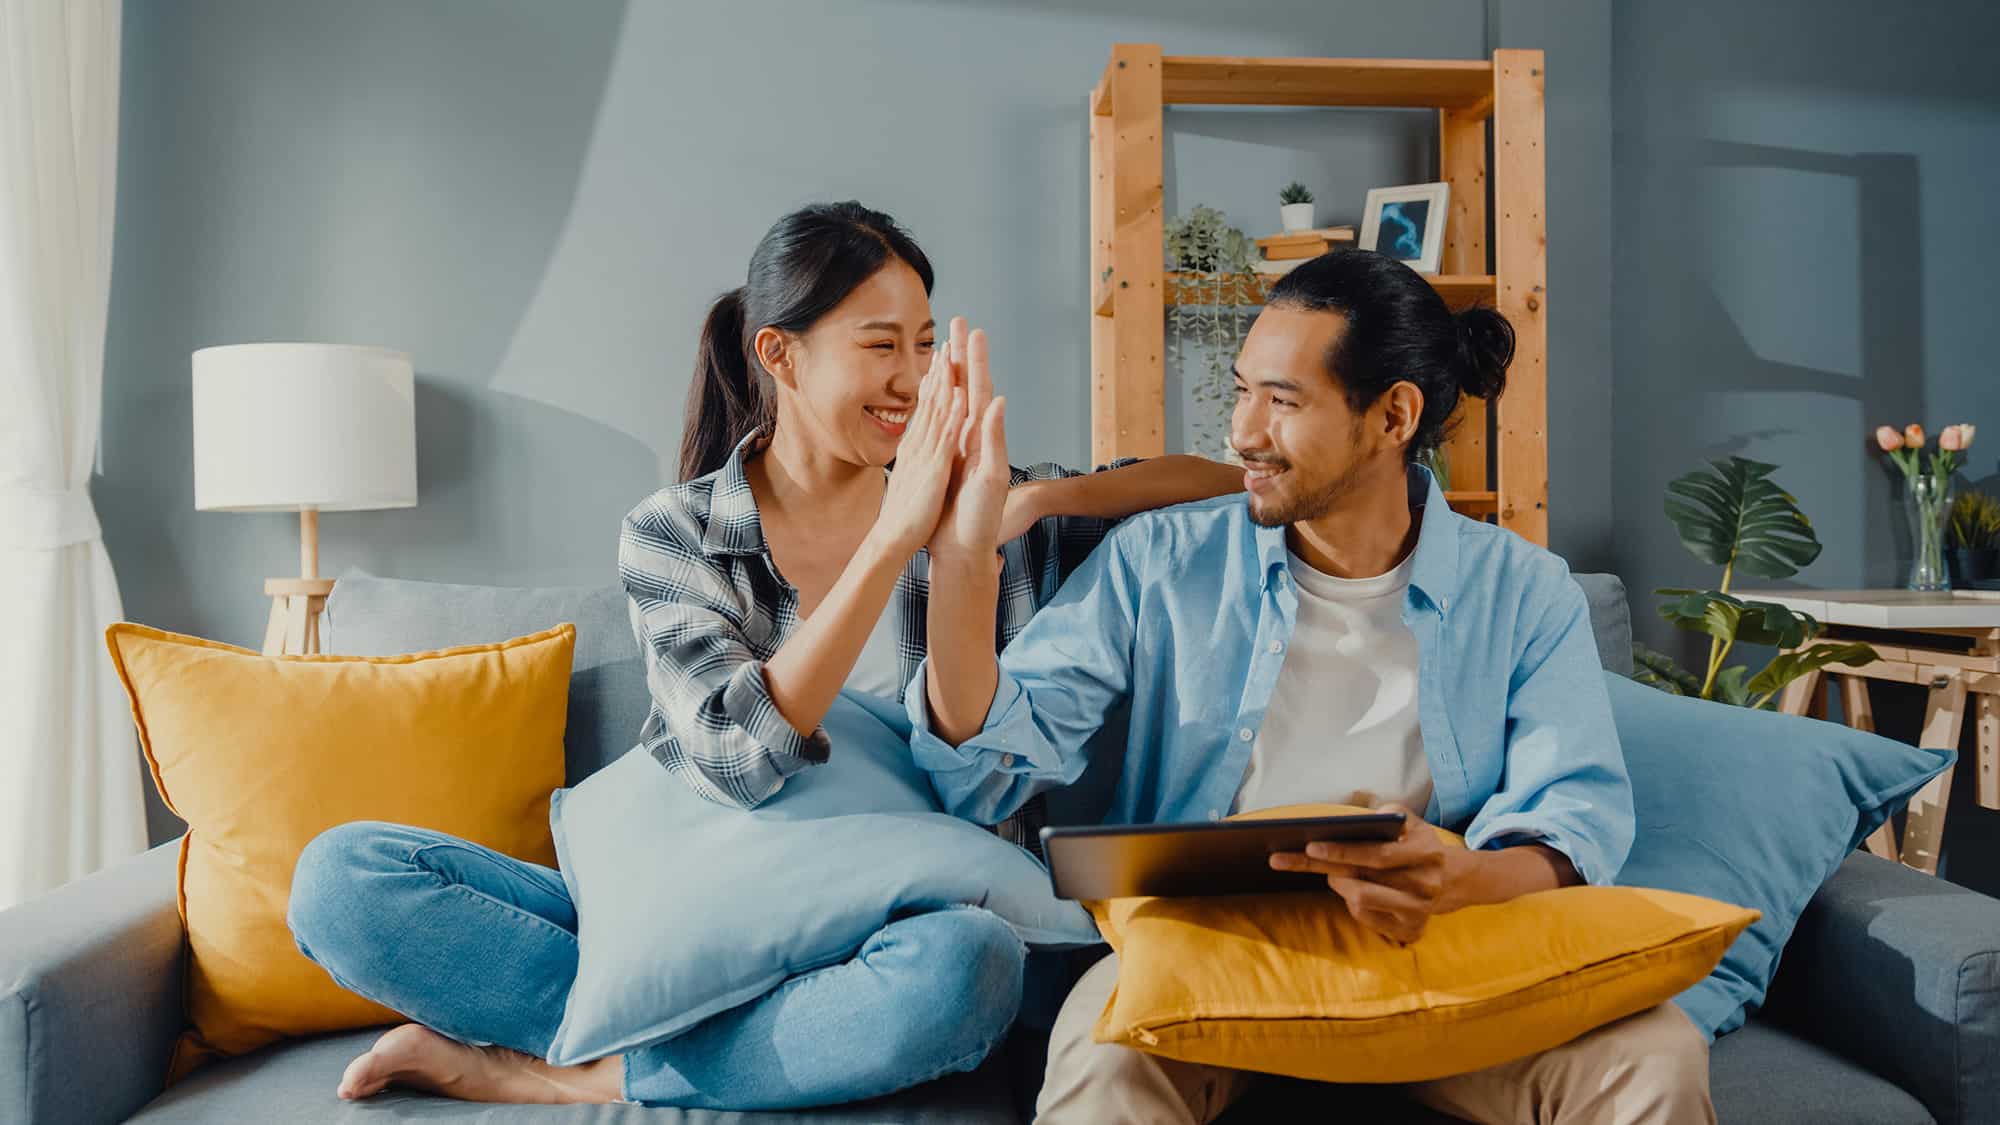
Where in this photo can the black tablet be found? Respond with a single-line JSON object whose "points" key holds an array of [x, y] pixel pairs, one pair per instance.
{"points": [[1182, 860]]}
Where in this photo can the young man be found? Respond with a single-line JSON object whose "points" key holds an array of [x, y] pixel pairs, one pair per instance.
{"points": [[1341, 636]]}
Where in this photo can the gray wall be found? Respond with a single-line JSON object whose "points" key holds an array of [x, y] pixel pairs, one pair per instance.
{"points": [[538, 200], [1805, 241]]}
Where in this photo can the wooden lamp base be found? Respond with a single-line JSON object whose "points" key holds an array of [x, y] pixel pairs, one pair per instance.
{"points": [[296, 603]]}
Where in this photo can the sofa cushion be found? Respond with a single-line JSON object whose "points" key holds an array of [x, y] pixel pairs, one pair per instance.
{"points": [[1610, 620], [294, 1082], [1753, 808], [1293, 984], [794, 884], [372, 616], [260, 756]]}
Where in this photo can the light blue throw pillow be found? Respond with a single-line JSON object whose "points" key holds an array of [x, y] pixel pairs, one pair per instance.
{"points": [[686, 908], [1752, 808]]}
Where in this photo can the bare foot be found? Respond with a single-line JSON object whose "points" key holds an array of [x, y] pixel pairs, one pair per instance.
{"points": [[415, 1056]]}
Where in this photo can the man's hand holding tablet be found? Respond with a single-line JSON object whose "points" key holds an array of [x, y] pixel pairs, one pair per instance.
{"points": [[1396, 887], [1180, 860], [1392, 887]]}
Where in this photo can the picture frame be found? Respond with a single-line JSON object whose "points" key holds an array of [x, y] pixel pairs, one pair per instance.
{"points": [[1407, 223]]}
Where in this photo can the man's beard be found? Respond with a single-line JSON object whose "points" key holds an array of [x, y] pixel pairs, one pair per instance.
{"points": [[1310, 506]]}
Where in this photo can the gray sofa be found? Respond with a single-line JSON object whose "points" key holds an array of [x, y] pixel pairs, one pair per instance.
{"points": [[1886, 1010]]}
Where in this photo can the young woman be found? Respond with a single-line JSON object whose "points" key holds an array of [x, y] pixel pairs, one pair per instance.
{"points": [[787, 566]]}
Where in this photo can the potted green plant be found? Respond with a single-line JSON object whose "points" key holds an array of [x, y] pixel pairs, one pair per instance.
{"points": [[1975, 539], [1202, 241], [1295, 207], [1732, 515]]}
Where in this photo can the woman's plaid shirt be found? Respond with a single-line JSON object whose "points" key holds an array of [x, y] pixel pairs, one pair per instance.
{"points": [[709, 608]]}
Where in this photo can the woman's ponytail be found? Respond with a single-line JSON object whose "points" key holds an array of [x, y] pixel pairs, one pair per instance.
{"points": [[1485, 348], [726, 400]]}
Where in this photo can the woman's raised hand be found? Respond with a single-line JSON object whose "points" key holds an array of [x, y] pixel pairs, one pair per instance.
{"points": [[925, 459], [970, 524]]}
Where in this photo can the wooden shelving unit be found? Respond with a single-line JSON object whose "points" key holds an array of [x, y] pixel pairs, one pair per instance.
{"points": [[1497, 457]]}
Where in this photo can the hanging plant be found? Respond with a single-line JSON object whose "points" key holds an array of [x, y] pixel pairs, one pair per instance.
{"points": [[1211, 300]]}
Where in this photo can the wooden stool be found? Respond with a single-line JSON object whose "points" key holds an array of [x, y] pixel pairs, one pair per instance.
{"points": [[1949, 643]]}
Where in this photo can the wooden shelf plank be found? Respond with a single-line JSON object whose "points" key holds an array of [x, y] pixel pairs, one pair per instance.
{"points": [[1217, 80], [1458, 290], [1484, 503], [1461, 290]]}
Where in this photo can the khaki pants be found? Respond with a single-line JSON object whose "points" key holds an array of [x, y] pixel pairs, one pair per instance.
{"points": [[1649, 1068]]}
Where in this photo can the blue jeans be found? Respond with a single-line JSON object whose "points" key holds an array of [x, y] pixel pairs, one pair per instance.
{"points": [[482, 947]]}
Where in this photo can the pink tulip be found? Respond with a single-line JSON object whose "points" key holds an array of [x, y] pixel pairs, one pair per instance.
{"points": [[1913, 435], [1889, 438], [1950, 439]]}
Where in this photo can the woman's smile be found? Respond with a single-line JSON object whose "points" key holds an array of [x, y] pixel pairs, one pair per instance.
{"points": [[892, 422]]}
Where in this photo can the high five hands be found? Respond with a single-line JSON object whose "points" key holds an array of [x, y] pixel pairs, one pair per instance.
{"points": [[969, 525], [952, 463]]}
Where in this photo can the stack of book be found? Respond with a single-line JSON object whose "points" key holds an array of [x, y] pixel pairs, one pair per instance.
{"points": [[1283, 252]]}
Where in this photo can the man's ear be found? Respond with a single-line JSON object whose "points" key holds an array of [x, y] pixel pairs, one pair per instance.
{"points": [[1402, 411], [776, 351]]}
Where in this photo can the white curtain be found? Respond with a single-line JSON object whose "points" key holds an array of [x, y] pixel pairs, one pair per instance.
{"points": [[69, 780]]}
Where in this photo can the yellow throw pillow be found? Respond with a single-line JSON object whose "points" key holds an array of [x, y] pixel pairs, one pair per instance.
{"points": [[1291, 984], [259, 755]]}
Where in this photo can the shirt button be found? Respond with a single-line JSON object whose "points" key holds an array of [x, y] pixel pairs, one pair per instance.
{"points": [[1277, 646], [1444, 604], [1215, 814], [1007, 760], [1246, 734]]}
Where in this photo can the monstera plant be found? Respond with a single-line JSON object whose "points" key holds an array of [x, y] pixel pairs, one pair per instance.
{"points": [[1733, 515]]}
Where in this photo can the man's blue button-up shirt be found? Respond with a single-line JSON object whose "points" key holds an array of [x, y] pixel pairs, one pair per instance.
{"points": [[1187, 613]]}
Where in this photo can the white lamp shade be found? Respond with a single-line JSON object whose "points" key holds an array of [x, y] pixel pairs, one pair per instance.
{"points": [[283, 427]]}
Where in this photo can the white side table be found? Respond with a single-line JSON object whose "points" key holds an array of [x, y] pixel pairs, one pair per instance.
{"points": [[1950, 644]]}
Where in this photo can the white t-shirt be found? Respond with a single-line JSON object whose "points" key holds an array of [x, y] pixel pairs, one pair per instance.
{"points": [[1342, 724], [879, 670]]}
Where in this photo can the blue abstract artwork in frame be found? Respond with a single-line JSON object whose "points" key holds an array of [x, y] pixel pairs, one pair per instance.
{"points": [[1402, 230]]}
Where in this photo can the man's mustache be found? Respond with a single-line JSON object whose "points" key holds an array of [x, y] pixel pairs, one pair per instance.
{"points": [[1252, 459]]}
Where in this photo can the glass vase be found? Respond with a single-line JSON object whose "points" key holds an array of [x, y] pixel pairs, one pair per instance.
{"points": [[1929, 504]]}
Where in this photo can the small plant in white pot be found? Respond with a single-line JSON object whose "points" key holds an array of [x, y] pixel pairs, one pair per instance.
{"points": [[1295, 210]]}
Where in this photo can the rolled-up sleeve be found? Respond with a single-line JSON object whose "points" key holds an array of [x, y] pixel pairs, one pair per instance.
{"points": [[714, 724], [1565, 783], [1058, 681]]}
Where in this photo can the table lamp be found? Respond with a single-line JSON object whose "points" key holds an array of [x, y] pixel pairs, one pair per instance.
{"points": [[305, 428]]}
